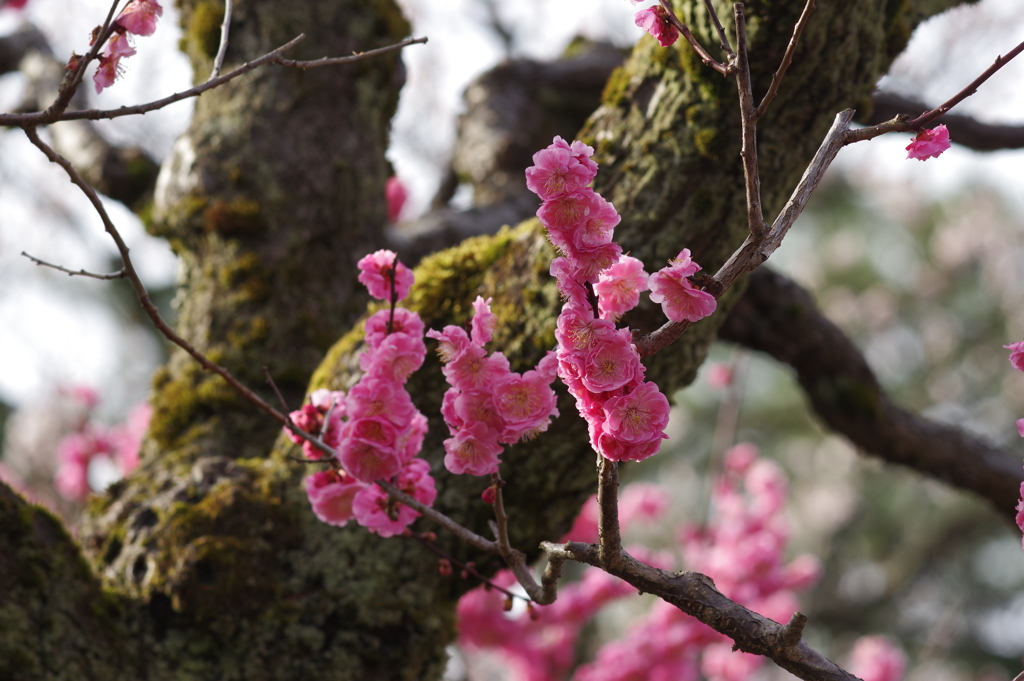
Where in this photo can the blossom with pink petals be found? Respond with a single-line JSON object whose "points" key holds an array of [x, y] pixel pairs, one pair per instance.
{"points": [[618, 287], [678, 297], [1016, 354], [655, 20], [875, 658], [370, 505], [140, 16], [640, 416], [556, 170], [396, 195], [928, 143], [473, 450], [375, 273], [330, 494], [484, 322]]}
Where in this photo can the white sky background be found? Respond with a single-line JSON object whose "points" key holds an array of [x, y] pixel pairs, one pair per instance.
{"points": [[59, 331]]}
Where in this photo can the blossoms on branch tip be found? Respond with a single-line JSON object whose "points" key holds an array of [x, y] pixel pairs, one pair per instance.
{"points": [[679, 298], [140, 16], [655, 20], [928, 143], [375, 273]]}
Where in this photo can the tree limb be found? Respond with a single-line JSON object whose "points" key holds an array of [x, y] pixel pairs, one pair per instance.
{"points": [[778, 317], [963, 129]]}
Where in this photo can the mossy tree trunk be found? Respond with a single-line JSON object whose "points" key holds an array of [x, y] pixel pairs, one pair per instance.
{"points": [[207, 562]]}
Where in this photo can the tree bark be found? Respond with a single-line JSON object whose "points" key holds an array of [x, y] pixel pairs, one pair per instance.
{"points": [[207, 562]]}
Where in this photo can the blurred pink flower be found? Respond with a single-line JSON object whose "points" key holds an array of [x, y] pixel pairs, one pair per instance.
{"points": [[396, 195]]}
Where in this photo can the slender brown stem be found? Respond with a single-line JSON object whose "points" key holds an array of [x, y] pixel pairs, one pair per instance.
{"points": [[222, 49], [53, 115], [120, 274], [609, 533], [722, 37], [755, 250], [438, 551], [748, 124], [903, 123], [787, 59], [705, 57], [463, 533], [273, 385], [71, 82]]}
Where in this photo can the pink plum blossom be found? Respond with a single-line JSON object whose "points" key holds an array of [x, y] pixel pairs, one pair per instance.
{"points": [[140, 16], [403, 321], [655, 20], [396, 358], [330, 494], [369, 458], [556, 170], [612, 363], [484, 322], [640, 416], [1016, 354], [928, 143], [370, 505], [618, 287], [678, 297], [875, 658], [375, 273], [719, 376], [396, 195], [472, 450]]}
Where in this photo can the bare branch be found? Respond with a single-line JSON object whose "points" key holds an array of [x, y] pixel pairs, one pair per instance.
{"points": [[787, 59], [71, 273], [904, 123], [778, 317], [222, 49], [608, 529], [465, 534], [359, 56], [723, 39], [140, 289], [748, 123], [684, 30], [756, 250], [963, 130], [274, 57], [468, 567], [696, 595]]}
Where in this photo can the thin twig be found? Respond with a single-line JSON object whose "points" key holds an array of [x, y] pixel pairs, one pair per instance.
{"points": [[222, 49], [71, 82], [469, 568], [696, 595], [463, 533], [543, 593], [140, 289], [80, 273], [748, 125], [903, 123], [273, 385], [756, 249], [46, 117], [722, 37], [332, 61], [705, 57], [787, 59]]}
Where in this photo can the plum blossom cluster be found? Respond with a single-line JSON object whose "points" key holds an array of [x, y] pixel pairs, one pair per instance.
{"points": [[928, 143], [540, 645], [137, 18], [92, 441], [375, 429], [597, 361], [741, 549], [1017, 360], [488, 404]]}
